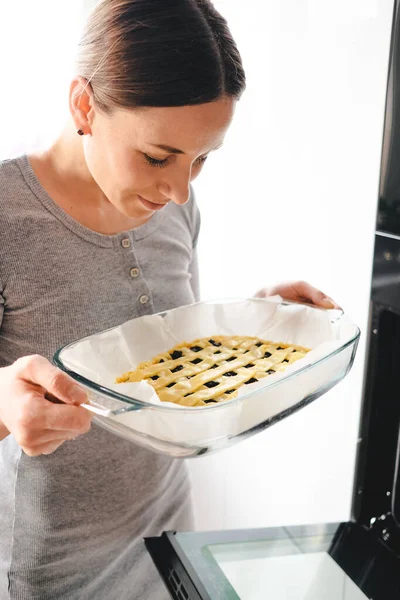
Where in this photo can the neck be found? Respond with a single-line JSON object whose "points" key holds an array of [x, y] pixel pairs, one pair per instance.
{"points": [[63, 172], [66, 159]]}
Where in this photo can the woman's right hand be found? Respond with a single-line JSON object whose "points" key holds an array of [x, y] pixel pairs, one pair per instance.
{"points": [[38, 425]]}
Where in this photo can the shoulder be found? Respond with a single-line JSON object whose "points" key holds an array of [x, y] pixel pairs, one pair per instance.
{"points": [[10, 169], [14, 191], [21, 213]]}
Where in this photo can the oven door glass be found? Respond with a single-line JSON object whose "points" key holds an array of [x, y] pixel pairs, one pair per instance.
{"points": [[287, 569]]}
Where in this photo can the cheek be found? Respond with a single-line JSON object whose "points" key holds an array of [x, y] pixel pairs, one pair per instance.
{"points": [[116, 169]]}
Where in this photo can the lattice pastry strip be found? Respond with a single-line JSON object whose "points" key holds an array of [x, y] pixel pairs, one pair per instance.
{"points": [[211, 370]]}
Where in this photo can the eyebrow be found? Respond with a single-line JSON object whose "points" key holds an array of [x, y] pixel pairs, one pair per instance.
{"points": [[168, 148], [174, 150]]}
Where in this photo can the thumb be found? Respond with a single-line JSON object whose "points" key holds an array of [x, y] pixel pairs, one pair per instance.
{"points": [[57, 384], [327, 302], [311, 294], [320, 299]]}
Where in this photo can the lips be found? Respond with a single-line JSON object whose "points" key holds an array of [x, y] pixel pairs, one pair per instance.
{"points": [[152, 205]]}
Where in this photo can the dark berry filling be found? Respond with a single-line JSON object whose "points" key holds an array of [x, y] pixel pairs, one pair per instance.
{"points": [[211, 384]]}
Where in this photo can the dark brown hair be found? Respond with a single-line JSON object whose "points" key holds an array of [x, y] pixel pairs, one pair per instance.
{"points": [[158, 53]]}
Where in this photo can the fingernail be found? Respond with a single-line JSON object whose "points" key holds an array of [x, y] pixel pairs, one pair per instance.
{"points": [[328, 301]]}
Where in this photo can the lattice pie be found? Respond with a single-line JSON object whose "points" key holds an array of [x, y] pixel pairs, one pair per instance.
{"points": [[211, 370]]}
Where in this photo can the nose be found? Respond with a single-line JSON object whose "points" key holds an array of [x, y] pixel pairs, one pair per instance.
{"points": [[176, 186]]}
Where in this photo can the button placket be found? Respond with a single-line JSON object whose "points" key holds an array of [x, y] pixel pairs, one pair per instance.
{"points": [[142, 292], [129, 257]]}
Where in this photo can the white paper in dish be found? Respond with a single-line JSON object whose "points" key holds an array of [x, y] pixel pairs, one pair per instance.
{"points": [[105, 356]]}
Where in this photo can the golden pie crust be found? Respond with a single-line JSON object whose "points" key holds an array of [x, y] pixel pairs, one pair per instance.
{"points": [[211, 370]]}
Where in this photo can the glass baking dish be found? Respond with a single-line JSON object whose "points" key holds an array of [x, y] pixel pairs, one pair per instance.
{"points": [[184, 432]]}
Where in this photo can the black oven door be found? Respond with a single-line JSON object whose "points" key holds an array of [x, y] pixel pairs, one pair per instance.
{"points": [[318, 562]]}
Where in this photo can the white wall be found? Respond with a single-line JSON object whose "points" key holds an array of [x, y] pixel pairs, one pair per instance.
{"points": [[37, 45], [293, 194]]}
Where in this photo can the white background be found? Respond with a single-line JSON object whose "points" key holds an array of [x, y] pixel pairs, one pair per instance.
{"points": [[291, 195], [37, 45]]}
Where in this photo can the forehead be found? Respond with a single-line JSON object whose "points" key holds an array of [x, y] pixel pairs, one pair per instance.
{"points": [[189, 128]]}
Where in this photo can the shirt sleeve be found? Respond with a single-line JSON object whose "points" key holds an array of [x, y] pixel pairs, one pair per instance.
{"points": [[194, 265], [1, 306]]}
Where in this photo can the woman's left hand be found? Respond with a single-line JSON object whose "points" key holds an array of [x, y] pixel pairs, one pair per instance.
{"points": [[299, 291]]}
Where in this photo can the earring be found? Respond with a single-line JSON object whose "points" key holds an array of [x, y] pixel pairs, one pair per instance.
{"points": [[80, 132]]}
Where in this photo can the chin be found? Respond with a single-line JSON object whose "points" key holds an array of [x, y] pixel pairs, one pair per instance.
{"points": [[130, 207], [133, 210]]}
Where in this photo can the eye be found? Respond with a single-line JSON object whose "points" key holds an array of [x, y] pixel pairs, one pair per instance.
{"points": [[154, 162]]}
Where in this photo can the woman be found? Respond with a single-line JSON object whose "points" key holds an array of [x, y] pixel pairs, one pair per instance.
{"points": [[101, 228]]}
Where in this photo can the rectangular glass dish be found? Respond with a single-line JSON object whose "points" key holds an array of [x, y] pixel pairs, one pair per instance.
{"points": [[133, 410]]}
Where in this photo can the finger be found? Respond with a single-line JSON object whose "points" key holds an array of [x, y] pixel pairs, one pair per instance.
{"points": [[332, 303], [311, 294], [41, 449], [51, 436], [64, 417], [263, 293], [41, 426], [320, 299], [38, 370], [51, 448]]}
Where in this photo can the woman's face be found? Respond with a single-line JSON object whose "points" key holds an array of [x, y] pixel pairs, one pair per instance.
{"points": [[143, 158]]}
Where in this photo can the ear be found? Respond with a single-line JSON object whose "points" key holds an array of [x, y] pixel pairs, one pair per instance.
{"points": [[81, 104]]}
